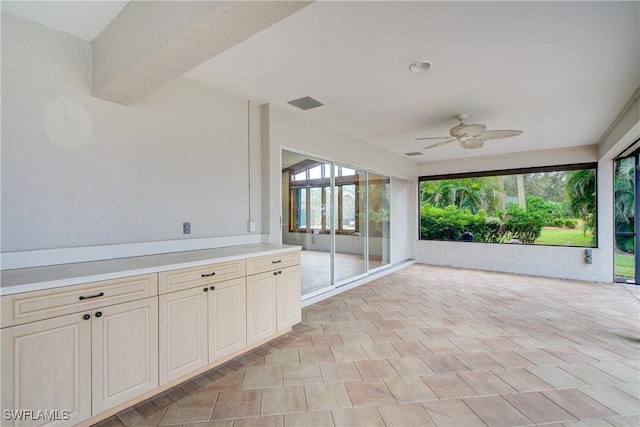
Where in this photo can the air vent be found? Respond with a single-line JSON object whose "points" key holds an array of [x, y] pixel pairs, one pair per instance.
{"points": [[306, 103], [413, 153]]}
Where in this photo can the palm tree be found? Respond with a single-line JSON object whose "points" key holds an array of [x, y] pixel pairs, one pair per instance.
{"points": [[624, 201], [474, 194], [581, 191]]}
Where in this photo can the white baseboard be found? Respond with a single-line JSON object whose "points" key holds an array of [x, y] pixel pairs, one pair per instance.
{"points": [[37, 258]]}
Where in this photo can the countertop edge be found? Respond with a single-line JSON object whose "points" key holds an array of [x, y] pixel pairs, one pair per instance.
{"points": [[77, 280]]}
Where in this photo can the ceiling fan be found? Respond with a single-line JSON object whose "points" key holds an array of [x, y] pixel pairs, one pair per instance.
{"points": [[470, 136]]}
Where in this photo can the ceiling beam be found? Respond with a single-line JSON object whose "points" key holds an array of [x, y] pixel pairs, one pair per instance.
{"points": [[151, 43]]}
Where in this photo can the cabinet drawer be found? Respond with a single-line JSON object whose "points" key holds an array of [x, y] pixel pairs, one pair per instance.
{"points": [[31, 306], [176, 280], [272, 262]]}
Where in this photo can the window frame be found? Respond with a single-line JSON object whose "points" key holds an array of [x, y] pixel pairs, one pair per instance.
{"points": [[324, 182]]}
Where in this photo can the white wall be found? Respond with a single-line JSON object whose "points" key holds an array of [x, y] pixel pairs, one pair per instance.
{"points": [[404, 208], [563, 262], [80, 171]]}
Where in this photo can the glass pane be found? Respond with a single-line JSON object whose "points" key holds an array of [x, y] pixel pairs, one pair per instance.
{"points": [[301, 208], [303, 212], [350, 222], [542, 208], [316, 172], [379, 224], [624, 213], [348, 171], [348, 204], [316, 207]]}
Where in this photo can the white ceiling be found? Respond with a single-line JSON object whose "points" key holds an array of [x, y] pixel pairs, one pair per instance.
{"points": [[558, 71]]}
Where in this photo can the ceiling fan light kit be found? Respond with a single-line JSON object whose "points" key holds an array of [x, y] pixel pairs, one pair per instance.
{"points": [[470, 136]]}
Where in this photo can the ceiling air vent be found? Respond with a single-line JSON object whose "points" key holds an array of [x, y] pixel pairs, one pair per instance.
{"points": [[413, 153], [306, 103]]}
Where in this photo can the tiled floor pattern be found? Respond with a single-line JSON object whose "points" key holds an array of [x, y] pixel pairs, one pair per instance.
{"points": [[429, 346]]}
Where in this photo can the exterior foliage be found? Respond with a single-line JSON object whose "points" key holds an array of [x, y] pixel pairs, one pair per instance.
{"points": [[488, 207], [581, 193]]}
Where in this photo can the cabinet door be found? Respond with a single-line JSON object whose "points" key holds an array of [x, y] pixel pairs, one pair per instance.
{"points": [[261, 306], [227, 318], [125, 352], [47, 365], [183, 333], [289, 298]]}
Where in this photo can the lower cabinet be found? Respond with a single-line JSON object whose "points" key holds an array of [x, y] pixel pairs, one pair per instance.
{"points": [[183, 333], [273, 302], [47, 365], [227, 319], [261, 306], [125, 352], [201, 325], [289, 298], [78, 365], [127, 341]]}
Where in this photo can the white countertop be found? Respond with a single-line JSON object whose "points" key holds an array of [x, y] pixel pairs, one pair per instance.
{"points": [[55, 276]]}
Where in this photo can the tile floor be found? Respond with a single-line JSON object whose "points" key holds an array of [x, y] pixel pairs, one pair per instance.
{"points": [[431, 346]]}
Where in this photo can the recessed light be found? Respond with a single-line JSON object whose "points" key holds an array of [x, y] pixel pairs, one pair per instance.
{"points": [[420, 66]]}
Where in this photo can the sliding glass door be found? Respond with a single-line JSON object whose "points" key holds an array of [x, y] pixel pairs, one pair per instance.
{"points": [[379, 220], [339, 214], [350, 224], [307, 217], [626, 189]]}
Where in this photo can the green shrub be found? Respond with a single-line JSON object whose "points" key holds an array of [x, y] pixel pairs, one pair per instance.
{"points": [[557, 222], [522, 225], [570, 223], [449, 223], [549, 211]]}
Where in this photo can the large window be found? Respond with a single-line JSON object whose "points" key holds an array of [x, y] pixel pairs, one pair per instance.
{"points": [[310, 192], [542, 206]]}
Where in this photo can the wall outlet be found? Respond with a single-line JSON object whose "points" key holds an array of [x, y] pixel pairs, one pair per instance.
{"points": [[251, 226], [186, 228]]}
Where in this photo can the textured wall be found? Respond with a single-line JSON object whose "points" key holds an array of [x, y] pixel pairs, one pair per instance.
{"points": [[78, 171]]}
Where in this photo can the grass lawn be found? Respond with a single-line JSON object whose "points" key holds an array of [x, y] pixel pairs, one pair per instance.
{"points": [[563, 237], [624, 265]]}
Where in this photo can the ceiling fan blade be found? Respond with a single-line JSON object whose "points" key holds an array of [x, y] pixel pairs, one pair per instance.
{"points": [[497, 134], [439, 143], [431, 137], [472, 144]]}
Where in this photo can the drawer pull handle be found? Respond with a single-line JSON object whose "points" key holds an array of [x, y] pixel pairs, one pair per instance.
{"points": [[279, 272], [206, 289], [213, 288], [276, 262], [275, 273], [208, 275], [99, 314], [86, 317], [82, 298]]}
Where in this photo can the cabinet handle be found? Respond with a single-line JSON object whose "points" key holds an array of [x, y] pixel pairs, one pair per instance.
{"points": [[213, 288], [279, 272], [86, 317], [275, 273], [82, 298], [99, 314], [276, 262], [208, 275], [206, 289]]}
